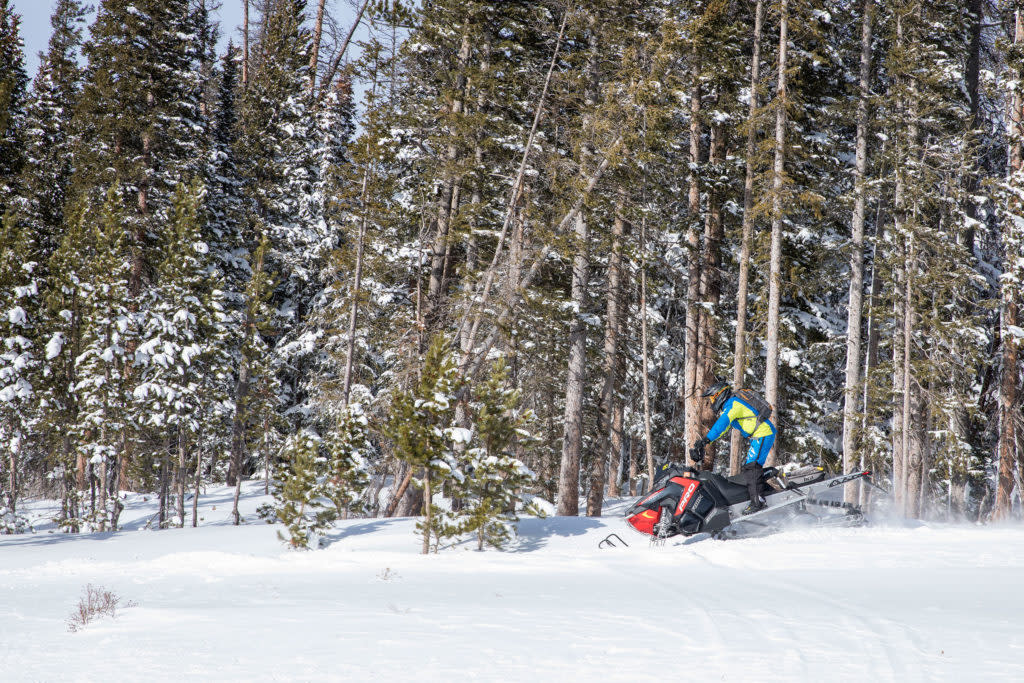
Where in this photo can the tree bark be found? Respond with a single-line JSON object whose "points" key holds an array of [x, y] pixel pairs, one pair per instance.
{"points": [[572, 435], [180, 493], [909, 390], [648, 446], [691, 369], [856, 296], [336, 62], [427, 510], [314, 52], [1009, 411], [609, 453], [245, 44], [771, 377], [447, 196], [198, 481], [740, 353], [710, 283]]}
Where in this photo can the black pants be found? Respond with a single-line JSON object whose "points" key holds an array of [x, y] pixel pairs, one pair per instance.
{"points": [[752, 476]]}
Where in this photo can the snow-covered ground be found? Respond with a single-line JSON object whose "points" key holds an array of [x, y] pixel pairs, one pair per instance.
{"points": [[893, 603]]}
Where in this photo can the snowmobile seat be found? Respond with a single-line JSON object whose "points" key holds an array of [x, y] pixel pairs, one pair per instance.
{"points": [[731, 491]]}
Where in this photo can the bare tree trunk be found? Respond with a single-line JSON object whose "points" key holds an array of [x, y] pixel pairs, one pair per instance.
{"points": [[618, 444], [427, 510], [907, 374], [181, 478], [357, 283], [447, 197], [691, 372], [1009, 411], [871, 355], [162, 512], [607, 457], [572, 436], [710, 284], [245, 43], [396, 498], [740, 354], [314, 52], [856, 302], [648, 446], [325, 85], [235, 516], [198, 481], [771, 376]]}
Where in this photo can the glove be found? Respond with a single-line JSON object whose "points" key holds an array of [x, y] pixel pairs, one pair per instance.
{"points": [[697, 452]]}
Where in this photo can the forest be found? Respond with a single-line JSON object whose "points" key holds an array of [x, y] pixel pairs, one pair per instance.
{"points": [[477, 256]]}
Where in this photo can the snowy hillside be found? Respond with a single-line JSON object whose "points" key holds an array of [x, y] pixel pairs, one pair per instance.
{"points": [[221, 603]]}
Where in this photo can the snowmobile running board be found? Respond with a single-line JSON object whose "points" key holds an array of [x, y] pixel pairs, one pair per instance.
{"points": [[794, 497]]}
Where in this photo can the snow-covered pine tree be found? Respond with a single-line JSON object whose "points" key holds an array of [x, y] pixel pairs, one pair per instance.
{"points": [[105, 418], [19, 362], [13, 84], [321, 479], [49, 138], [420, 427], [277, 145], [495, 478], [140, 128], [181, 359], [40, 206]]}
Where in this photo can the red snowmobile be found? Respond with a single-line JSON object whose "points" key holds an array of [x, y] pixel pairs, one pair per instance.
{"points": [[687, 501]]}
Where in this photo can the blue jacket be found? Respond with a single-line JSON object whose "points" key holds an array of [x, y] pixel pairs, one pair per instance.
{"points": [[737, 413]]}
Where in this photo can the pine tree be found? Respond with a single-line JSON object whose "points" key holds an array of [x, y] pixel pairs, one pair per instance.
{"points": [[495, 477], [105, 419], [421, 429], [182, 339], [19, 360], [49, 138], [13, 83]]}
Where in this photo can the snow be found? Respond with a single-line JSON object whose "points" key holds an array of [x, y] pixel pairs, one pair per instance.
{"points": [[54, 346], [17, 316], [909, 603]]}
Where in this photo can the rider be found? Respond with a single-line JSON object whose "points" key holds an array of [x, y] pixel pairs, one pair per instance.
{"points": [[732, 411]]}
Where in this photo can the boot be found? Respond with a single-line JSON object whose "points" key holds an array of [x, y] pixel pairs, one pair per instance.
{"points": [[752, 474]]}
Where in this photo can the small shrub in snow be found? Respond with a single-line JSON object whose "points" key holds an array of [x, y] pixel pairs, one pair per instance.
{"points": [[12, 523], [97, 602]]}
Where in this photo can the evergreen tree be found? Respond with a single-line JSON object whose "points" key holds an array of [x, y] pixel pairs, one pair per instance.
{"points": [[19, 360], [13, 83], [182, 339], [106, 420], [421, 429], [49, 138], [322, 478], [496, 478]]}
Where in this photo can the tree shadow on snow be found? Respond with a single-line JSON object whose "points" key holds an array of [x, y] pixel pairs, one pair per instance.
{"points": [[368, 527], [534, 533]]}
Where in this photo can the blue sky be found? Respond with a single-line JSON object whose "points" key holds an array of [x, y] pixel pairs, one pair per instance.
{"points": [[35, 25]]}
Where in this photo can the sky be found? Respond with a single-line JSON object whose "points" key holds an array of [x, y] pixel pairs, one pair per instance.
{"points": [[35, 25]]}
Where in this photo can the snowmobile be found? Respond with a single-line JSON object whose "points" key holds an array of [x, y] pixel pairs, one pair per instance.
{"points": [[687, 501]]}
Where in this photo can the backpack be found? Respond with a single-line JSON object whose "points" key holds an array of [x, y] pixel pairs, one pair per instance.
{"points": [[762, 407]]}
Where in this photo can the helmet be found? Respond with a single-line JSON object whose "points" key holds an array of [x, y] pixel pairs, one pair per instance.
{"points": [[721, 392]]}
